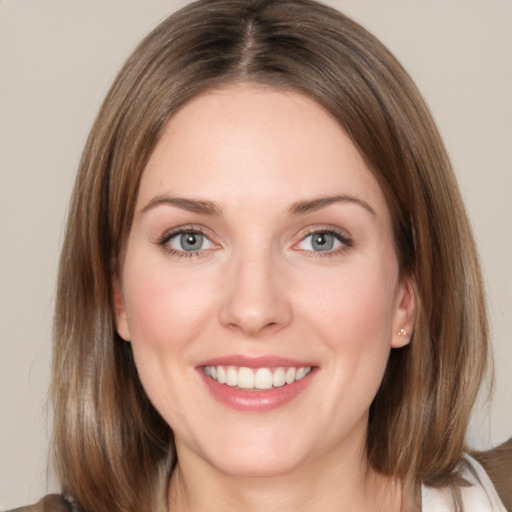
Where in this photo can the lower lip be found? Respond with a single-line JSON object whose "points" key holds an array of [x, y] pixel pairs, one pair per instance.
{"points": [[256, 401]]}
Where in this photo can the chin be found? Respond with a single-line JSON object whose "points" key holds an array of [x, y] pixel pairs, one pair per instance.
{"points": [[257, 467], [270, 457]]}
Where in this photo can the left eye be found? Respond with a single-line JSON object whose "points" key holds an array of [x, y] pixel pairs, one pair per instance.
{"points": [[320, 242], [189, 242]]}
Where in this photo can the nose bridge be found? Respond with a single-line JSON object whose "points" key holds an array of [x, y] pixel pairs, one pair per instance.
{"points": [[255, 299]]}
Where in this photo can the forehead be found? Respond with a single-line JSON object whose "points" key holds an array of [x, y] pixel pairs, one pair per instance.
{"points": [[247, 143]]}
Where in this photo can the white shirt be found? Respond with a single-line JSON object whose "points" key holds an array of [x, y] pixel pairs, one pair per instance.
{"points": [[480, 496]]}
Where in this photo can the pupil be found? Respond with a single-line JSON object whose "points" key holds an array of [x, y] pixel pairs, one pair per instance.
{"points": [[323, 242], [320, 239], [191, 241]]}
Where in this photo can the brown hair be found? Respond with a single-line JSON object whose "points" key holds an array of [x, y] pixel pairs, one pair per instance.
{"points": [[112, 450]]}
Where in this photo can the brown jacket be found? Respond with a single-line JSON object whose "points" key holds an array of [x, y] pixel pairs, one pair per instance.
{"points": [[50, 503]]}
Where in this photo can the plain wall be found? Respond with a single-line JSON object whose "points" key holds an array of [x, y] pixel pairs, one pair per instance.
{"points": [[57, 59]]}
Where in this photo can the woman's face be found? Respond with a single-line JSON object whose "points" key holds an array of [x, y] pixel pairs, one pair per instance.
{"points": [[261, 290]]}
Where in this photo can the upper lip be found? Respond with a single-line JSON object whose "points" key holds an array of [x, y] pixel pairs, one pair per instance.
{"points": [[268, 361]]}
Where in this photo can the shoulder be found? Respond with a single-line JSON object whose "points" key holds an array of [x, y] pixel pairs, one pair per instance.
{"points": [[482, 488], [50, 503], [498, 465]]}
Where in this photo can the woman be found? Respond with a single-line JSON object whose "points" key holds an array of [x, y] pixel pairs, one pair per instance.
{"points": [[269, 294]]}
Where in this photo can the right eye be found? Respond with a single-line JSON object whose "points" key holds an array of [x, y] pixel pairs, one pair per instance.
{"points": [[186, 241], [320, 241]]}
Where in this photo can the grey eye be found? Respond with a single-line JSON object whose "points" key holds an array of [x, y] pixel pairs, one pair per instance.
{"points": [[191, 241], [322, 241]]}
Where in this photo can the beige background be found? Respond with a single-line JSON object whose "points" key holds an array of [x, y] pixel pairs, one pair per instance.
{"points": [[57, 59]]}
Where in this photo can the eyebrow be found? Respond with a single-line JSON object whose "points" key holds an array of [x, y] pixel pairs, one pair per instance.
{"points": [[312, 205], [191, 205], [212, 208]]}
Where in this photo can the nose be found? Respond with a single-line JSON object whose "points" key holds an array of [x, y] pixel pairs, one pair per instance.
{"points": [[255, 300]]}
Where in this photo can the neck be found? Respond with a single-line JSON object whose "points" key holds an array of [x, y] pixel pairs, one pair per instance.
{"points": [[327, 485]]}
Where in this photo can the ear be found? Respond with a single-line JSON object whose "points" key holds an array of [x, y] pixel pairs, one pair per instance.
{"points": [[120, 310], [405, 313]]}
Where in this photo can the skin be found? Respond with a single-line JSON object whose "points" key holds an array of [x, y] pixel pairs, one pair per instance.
{"points": [[258, 287]]}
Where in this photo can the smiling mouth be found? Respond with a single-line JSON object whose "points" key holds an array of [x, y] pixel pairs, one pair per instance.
{"points": [[257, 379]]}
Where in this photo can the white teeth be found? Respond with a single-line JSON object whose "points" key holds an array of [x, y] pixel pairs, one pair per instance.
{"points": [[261, 378], [231, 377], [278, 378], [221, 375], [245, 378], [290, 375], [301, 373]]}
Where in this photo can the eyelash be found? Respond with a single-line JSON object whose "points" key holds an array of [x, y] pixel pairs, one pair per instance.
{"points": [[340, 236], [163, 242]]}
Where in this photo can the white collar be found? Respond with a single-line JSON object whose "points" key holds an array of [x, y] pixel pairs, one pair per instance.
{"points": [[479, 496]]}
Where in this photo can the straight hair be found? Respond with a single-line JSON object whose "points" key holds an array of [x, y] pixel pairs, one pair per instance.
{"points": [[111, 449]]}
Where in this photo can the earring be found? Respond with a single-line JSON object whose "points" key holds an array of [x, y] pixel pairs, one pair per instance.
{"points": [[403, 333]]}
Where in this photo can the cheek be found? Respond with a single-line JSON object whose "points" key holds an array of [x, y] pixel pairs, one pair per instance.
{"points": [[358, 300], [166, 312], [352, 314], [164, 308]]}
